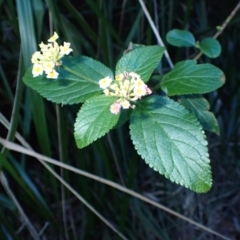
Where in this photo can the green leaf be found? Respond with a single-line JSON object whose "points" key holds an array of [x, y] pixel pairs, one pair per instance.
{"points": [[210, 47], [77, 80], [187, 77], [141, 60], [200, 107], [180, 38], [172, 142], [94, 120]]}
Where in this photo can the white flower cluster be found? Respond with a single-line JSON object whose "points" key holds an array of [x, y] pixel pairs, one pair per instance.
{"points": [[129, 87], [48, 58]]}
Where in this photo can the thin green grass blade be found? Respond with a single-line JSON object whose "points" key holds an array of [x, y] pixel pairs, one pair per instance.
{"points": [[16, 108], [82, 22], [7, 230], [78, 40], [6, 84], [40, 209], [6, 202], [38, 10], [134, 29], [28, 43], [170, 18], [22, 173], [105, 21]]}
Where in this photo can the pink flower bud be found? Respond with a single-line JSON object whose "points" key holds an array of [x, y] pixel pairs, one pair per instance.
{"points": [[115, 108], [148, 90]]}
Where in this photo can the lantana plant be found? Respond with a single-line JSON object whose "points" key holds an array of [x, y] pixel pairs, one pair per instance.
{"points": [[167, 134]]}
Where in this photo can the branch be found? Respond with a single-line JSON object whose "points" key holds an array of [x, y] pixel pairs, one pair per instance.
{"points": [[223, 26]]}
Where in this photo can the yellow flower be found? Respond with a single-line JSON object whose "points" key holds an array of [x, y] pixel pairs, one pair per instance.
{"points": [[65, 49], [123, 92], [140, 91], [53, 38], [37, 70], [53, 74], [105, 82], [139, 83], [119, 77], [126, 84], [35, 57], [114, 86], [125, 104], [106, 92], [134, 75], [48, 66]]}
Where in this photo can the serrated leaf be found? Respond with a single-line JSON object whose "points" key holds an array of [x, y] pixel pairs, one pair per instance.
{"points": [[200, 107], [71, 87], [180, 38], [171, 141], [187, 77], [142, 61], [94, 120], [210, 47]]}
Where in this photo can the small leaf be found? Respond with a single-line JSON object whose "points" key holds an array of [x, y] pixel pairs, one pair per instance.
{"points": [[70, 87], [187, 77], [171, 141], [200, 107], [180, 38], [210, 47], [141, 60], [94, 120]]}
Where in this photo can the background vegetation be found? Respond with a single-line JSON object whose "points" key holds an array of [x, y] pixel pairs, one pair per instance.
{"points": [[33, 203]]}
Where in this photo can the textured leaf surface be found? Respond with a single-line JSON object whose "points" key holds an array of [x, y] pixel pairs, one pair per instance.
{"points": [[187, 77], [94, 120], [200, 107], [171, 141], [210, 47], [180, 38], [70, 87], [142, 61]]}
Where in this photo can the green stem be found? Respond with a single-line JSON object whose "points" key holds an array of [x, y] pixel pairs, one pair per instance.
{"points": [[78, 75], [222, 27]]}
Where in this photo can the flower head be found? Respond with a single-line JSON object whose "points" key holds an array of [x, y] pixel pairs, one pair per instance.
{"points": [[48, 58], [128, 87]]}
